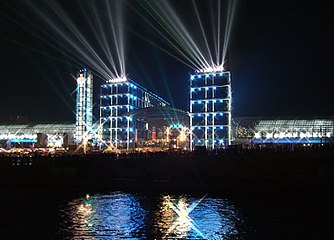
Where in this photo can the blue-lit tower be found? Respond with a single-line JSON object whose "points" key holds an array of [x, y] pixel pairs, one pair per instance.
{"points": [[210, 108], [84, 106], [119, 97]]}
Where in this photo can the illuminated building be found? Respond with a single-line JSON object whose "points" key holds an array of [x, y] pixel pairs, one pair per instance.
{"points": [[284, 130], [37, 135], [84, 106], [210, 108], [118, 98], [161, 128]]}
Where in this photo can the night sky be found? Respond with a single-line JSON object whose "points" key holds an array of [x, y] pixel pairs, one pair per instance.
{"points": [[280, 56]]}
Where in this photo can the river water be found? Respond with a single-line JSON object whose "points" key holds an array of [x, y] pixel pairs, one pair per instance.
{"points": [[29, 213]]}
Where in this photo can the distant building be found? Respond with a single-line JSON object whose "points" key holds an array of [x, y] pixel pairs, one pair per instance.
{"points": [[161, 128], [284, 130], [37, 135], [119, 97], [84, 106], [210, 108]]}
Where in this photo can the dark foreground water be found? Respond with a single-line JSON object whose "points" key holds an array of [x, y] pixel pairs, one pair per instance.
{"points": [[29, 213]]}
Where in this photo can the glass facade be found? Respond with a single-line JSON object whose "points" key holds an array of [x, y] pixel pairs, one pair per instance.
{"points": [[119, 97], [210, 109], [25, 134], [285, 130]]}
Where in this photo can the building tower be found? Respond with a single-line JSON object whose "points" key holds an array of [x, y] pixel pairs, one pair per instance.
{"points": [[210, 108], [84, 106], [119, 97]]}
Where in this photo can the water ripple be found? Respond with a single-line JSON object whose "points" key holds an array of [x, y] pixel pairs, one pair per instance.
{"points": [[120, 215]]}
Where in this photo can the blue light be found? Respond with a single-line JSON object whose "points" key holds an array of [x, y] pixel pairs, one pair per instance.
{"points": [[192, 77], [199, 114], [221, 127], [192, 89], [207, 75], [199, 76], [24, 140], [206, 88], [220, 100], [221, 114], [214, 88], [220, 74], [200, 102], [198, 127]]}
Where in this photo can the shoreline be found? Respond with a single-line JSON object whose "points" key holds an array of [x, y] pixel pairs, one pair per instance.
{"points": [[246, 171]]}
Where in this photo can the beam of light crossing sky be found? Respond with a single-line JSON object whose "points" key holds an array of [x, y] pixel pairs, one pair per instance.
{"points": [[194, 45], [69, 35]]}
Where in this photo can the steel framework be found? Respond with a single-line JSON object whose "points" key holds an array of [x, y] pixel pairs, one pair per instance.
{"points": [[84, 106], [210, 109], [118, 98]]}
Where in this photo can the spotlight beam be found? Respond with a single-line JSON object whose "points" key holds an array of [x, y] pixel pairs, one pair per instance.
{"points": [[203, 32], [76, 44], [202, 53]]}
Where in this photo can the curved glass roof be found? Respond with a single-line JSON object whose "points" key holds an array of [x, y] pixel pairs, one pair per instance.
{"points": [[47, 128], [314, 124]]}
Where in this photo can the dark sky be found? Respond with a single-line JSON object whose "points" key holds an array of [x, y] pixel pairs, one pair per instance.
{"points": [[280, 56]]}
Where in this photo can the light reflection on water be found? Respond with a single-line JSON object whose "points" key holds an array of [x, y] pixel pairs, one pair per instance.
{"points": [[130, 216], [116, 214], [207, 218]]}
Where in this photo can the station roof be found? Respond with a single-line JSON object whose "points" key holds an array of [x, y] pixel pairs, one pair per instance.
{"points": [[285, 122], [34, 128], [158, 112]]}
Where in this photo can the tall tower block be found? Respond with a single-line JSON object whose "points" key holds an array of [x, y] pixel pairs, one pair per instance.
{"points": [[84, 106], [210, 108], [119, 97]]}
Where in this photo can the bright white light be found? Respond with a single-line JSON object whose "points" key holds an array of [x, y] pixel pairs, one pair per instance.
{"points": [[183, 223], [257, 135], [281, 135], [302, 135], [213, 69], [117, 80]]}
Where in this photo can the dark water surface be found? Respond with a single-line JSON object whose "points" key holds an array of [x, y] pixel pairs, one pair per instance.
{"points": [[30, 213]]}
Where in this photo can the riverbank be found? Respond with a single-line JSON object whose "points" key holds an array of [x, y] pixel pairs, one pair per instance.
{"points": [[311, 169]]}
